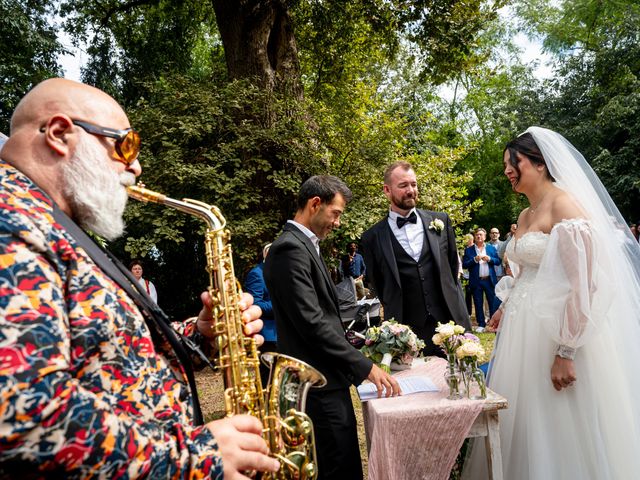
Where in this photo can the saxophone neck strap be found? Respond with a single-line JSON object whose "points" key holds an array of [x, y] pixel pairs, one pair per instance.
{"points": [[154, 317]]}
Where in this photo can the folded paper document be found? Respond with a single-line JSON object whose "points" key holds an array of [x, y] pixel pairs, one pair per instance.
{"points": [[408, 385]]}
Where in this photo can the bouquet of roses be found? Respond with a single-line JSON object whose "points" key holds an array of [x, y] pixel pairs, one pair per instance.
{"points": [[391, 341]]}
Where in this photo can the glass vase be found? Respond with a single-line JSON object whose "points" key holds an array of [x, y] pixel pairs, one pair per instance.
{"points": [[474, 382], [452, 376]]}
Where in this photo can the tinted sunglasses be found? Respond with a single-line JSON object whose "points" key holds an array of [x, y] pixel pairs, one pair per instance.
{"points": [[127, 141]]}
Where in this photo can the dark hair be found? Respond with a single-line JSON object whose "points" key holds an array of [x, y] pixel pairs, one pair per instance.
{"points": [[323, 186], [526, 145], [480, 229], [406, 166], [134, 263]]}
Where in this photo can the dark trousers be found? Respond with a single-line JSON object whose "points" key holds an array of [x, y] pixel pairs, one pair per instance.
{"points": [[336, 434], [486, 286], [468, 298]]}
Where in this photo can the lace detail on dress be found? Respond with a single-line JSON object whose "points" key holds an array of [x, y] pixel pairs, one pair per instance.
{"points": [[527, 252], [579, 223], [529, 249]]}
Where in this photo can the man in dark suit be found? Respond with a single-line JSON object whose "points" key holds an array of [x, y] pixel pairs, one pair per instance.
{"points": [[412, 260], [309, 327], [481, 259]]}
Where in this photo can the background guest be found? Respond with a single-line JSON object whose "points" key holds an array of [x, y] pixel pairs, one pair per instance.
{"points": [[507, 239], [468, 296], [480, 259], [136, 269], [256, 286], [494, 239], [353, 266]]}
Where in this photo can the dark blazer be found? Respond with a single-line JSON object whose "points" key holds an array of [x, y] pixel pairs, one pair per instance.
{"points": [[382, 269], [305, 304], [470, 264]]}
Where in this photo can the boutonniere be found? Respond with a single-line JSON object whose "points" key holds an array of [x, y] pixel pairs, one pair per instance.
{"points": [[437, 225]]}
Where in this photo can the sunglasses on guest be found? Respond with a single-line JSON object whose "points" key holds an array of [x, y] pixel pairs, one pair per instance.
{"points": [[127, 141]]}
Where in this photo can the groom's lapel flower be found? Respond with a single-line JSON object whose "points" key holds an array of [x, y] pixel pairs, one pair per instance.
{"points": [[437, 225]]}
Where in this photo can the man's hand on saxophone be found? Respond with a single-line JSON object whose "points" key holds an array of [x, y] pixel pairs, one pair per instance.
{"points": [[241, 447], [239, 438], [250, 317]]}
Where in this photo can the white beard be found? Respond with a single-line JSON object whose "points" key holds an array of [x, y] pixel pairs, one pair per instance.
{"points": [[96, 193]]}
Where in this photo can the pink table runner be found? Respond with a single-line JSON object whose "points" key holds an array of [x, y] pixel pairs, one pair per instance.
{"points": [[417, 436]]}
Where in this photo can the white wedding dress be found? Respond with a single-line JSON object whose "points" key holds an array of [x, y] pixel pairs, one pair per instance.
{"points": [[563, 295]]}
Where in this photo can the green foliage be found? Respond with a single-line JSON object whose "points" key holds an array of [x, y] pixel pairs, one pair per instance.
{"points": [[209, 143], [337, 37], [594, 100], [131, 43], [29, 51]]}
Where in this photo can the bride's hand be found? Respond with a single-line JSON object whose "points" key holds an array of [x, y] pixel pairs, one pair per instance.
{"points": [[563, 373], [494, 323]]}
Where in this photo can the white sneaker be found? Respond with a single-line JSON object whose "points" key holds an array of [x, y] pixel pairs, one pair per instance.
{"points": [[479, 329]]}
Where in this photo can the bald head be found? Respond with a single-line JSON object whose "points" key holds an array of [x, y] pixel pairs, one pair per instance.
{"points": [[45, 141], [62, 96]]}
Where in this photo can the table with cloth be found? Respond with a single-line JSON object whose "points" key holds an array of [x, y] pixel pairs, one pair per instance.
{"points": [[418, 436]]}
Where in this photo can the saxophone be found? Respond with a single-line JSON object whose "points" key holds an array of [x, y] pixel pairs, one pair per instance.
{"points": [[287, 430]]}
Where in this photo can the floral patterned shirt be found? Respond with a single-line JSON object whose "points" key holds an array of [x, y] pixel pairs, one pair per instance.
{"points": [[84, 392]]}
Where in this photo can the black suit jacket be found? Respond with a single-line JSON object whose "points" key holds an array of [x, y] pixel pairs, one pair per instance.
{"points": [[305, 305], [382, 269]]}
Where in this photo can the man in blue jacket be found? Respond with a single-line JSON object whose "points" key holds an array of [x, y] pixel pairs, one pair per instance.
{"points": [[255, 285], [480, 259]]}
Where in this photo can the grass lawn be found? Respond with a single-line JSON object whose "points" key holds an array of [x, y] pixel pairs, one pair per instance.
{"points": [[210, 389]]}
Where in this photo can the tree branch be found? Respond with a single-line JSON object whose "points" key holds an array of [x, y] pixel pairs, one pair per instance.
{"points": [[122, 8]]}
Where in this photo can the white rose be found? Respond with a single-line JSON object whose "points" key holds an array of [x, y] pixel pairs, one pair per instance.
{"points": [[458, 329], [469, 349], [437, 339], [446, 330]]}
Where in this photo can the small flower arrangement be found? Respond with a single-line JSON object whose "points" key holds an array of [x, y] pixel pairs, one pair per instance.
{"points": [[463, 351], [448, 337], [470, 350], [391, 341], [437, 225], [468, 353]]}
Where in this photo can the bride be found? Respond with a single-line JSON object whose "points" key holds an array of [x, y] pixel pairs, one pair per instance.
{"points": [[567, 356]]}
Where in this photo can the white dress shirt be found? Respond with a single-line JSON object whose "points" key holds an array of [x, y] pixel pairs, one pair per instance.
{"points": [[410, 236], [151, 290], [484, 266], [312, 236]]}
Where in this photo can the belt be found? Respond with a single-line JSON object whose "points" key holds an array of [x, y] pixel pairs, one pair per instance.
{"points": [[485, 278]]}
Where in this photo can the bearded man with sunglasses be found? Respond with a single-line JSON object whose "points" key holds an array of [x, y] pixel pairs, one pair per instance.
{"points": [[93, 382]]}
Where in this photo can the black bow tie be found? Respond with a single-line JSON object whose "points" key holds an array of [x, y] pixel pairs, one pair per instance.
{"points": [[412, 218]]}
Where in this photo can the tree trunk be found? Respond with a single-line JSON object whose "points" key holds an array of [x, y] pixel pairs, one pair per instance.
{"points": [[259, 44]]}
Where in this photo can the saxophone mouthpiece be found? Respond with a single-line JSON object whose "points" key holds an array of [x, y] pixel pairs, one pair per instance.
{"points": [[142, 194]]}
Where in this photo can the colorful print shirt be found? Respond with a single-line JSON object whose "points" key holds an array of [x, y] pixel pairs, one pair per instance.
{"points": [[84, 392]]}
